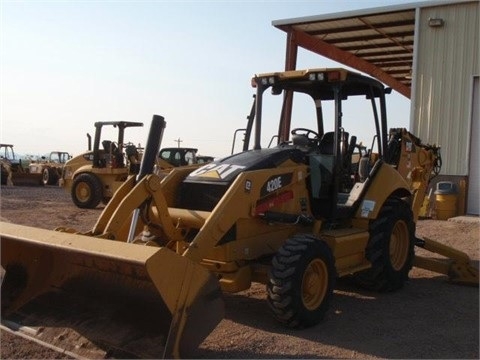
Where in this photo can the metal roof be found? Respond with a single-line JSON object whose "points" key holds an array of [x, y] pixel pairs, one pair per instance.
{"points": [[377, 41]]}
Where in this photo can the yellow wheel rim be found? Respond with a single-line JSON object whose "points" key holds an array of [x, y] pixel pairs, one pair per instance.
{"points": [[314, 284], [399, 245], [82, 191]]}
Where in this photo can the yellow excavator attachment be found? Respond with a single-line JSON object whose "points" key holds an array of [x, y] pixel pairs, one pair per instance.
{"points": [[116, 298], [456, 264]]}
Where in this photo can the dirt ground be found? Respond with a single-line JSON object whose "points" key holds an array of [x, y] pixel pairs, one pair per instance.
{"points": [[428, 318]]}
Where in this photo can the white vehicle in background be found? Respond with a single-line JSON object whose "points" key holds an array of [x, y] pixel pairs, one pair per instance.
{"points": [[50, 166]]}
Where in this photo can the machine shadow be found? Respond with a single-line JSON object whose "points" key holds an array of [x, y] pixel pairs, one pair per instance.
{"points": [[401, 324]]}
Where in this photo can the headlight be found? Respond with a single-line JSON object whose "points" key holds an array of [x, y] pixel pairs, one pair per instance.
{"points": [[268, 80], [316, 76]]}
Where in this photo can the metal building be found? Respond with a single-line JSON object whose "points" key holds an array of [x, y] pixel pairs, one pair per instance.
{"points": [[428, 52]]}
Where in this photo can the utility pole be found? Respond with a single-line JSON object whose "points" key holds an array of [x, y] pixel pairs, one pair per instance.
{"points": [[178, 141]]}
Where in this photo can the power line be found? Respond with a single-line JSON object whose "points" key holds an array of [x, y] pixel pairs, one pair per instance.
{"points": [[178, 141]]}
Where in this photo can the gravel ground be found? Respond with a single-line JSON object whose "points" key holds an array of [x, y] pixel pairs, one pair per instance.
{"points": [[428, 318]]}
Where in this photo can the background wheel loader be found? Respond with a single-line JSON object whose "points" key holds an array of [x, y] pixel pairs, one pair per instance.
{"points": [[169, 158], [172, 157], [295, 217], [50, 167], [203, 159], [13, 172], [94, 176]]}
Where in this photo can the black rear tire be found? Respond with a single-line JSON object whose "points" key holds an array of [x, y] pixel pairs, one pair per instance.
{"points": [[301, 281], [390, 248], [87, 191]]}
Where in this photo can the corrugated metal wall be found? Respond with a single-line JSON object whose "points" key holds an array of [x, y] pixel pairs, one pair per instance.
{"points": [[447, 59]]}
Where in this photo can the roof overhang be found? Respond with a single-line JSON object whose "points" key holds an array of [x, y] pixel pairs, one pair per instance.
{"points": [[377, 41]]}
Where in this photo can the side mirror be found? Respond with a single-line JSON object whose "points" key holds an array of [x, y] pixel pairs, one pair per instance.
{"points": [[276, 90]]}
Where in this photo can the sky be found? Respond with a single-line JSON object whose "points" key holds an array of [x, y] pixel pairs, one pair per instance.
{"points": [[65, 65]]}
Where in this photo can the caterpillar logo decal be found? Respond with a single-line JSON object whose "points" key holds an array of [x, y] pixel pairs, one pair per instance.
{"points": [[217, 171], [274, 183]]}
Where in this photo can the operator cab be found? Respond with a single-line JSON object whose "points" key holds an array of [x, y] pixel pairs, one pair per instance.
{"points": [[334, 154], [107, 153], [179, 156]]}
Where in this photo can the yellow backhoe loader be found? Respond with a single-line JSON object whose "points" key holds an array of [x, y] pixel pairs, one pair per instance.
{"points": [[148, 278]]}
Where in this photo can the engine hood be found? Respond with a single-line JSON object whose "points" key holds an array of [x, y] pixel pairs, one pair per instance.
{"points": [[226, 170]]}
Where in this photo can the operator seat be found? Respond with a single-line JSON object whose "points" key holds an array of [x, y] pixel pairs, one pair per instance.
{"points": [[109, 146], [133, 157], [106, 145], [364, 168], [112, 150], [327, 143]]}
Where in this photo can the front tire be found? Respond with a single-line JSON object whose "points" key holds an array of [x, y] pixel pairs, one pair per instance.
{"points": [[390, 248], [87, 191], [301, 281]]}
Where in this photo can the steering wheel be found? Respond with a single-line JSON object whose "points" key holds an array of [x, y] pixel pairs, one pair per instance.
{"points": [[306, 132]]}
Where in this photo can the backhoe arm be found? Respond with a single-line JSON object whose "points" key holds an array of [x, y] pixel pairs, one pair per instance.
{"points": [[457, 265]]}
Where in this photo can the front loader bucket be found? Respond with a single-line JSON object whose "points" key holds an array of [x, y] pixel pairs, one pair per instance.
{"points": [[108, 298], [27, 179]]}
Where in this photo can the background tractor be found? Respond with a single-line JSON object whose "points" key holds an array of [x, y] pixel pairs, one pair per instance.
{"points": [[94, 176], [171, 157], [13, 172], [295, 216], [50, 166], [203, 159]]}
